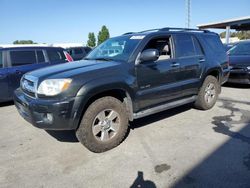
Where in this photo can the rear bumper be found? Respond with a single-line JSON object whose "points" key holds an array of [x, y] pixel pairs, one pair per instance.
{"points": [[240, 77], [47, 114]]}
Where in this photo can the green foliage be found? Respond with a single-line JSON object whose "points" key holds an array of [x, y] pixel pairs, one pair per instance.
{"points": [[24, 42], [223, 34], [240, 34], [92, 40], [103, 34]]}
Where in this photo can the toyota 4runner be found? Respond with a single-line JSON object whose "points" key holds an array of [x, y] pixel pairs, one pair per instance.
{"points": [[143, 73]]}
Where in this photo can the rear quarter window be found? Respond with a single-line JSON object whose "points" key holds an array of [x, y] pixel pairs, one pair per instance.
{"points": [[23, 57], [55, 55], [214, 43]]}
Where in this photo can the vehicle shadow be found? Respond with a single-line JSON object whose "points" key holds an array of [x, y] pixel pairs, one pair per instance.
{"points": [[69, 136], [229, 165], [159, 116], [63, 136], [5, 104], [238, 86]]}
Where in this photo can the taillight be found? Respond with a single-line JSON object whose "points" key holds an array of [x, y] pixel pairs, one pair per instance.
{"points": [[68, 57]]}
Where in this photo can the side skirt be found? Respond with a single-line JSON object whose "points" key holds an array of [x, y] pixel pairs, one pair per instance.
{"points": [[163, 107]]}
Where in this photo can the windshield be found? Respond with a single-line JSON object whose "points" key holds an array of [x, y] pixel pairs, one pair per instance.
{"points": [[116, 49], [240, 49]]}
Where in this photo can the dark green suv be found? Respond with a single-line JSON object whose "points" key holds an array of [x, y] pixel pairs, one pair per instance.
{"points": [[125, 78]]}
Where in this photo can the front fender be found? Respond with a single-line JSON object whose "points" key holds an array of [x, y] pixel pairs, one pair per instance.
{"points": [[97, 86]]}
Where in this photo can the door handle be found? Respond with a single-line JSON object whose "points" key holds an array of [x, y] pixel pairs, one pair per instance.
{"points": [[175, 64], [201, 60]]}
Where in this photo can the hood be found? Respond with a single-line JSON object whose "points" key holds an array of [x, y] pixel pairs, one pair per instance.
{"points": [[239, 60], [71, 69]]}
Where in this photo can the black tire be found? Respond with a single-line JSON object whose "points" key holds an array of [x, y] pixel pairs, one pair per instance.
{"points": [[201, 103], [85, 132]]}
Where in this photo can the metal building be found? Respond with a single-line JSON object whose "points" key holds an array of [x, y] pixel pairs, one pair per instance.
{"points": [[239, 24]]}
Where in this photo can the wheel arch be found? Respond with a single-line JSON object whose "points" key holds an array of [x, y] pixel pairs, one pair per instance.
{"points": [[117, 90]]}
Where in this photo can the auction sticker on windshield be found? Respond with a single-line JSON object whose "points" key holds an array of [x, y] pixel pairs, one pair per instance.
{"points": [[138, 37]]}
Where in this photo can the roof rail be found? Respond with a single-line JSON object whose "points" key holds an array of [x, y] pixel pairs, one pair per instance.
{"points": [[182, 29], [169, 29], [128, 33]]}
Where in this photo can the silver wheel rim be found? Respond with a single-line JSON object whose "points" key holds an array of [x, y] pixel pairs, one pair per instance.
{"points": [[106, 125], [210, 93]]}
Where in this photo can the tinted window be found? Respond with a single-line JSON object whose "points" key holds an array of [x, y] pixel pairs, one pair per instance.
{"points": [[40, 56], [214, 43], [55, 55], [197, 47], [78, 51], [184, 46], [87, 50], [240, 49], [1, 60], [22, 57]]}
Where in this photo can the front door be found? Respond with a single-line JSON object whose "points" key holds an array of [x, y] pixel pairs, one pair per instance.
{"points": [[4, 93], [156, 79]]}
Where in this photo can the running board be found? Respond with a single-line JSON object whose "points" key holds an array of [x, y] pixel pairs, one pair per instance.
{"points": [[163, 107]]}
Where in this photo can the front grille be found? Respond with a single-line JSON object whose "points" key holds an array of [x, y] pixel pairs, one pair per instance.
{"points": [[28, 85]]}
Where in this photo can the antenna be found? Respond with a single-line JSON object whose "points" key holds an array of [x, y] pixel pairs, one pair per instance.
{"points": [[188, 15]]}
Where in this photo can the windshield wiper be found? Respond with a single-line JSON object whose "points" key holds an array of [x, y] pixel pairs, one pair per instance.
{"points": [[102, 59]]}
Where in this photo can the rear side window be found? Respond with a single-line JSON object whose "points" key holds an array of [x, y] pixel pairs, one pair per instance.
{"points": [[40, 56], [1, 59], [184, 46], [22, 57], [55, 55], [78, 51], [214, 43]]}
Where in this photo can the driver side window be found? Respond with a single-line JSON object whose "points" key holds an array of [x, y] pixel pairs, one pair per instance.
{"points": [[162, 45]]}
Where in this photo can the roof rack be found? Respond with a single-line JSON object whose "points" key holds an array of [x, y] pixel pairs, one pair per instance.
{"points": [[128, 33], [182, 29], [169, 29]]}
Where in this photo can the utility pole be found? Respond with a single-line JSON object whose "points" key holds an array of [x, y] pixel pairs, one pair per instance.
{"points": [[188, 15]]}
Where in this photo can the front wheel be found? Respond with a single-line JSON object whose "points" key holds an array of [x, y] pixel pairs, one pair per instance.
{"points": [[208, 93], [104, 125]]}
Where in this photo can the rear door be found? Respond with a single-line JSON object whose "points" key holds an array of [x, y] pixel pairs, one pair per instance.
{"points": [[21, 62], [190, 58], [4, 94]]}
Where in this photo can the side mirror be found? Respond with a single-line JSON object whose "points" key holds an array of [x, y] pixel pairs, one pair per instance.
{"points": [[149, 55]]}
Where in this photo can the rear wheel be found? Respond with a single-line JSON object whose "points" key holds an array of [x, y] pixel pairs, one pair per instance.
{"points": [[104, 125], [208, 93]]}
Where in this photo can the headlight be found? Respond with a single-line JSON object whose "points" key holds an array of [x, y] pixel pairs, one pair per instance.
{"points": [[52, 87], [248, 68]]}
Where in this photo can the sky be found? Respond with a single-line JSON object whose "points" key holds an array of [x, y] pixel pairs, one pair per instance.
{"points": [[63, 21]]}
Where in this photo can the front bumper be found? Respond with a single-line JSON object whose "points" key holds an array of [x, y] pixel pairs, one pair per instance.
{"points": [[47, 114], [239, 76]]}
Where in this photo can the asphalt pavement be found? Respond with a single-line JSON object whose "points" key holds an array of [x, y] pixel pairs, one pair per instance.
{"points": [[181, 147]]}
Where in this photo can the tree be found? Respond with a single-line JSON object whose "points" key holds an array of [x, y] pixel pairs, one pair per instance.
{"points": [[92, 40], [24, 42], [240, 34], [103, 34]]}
